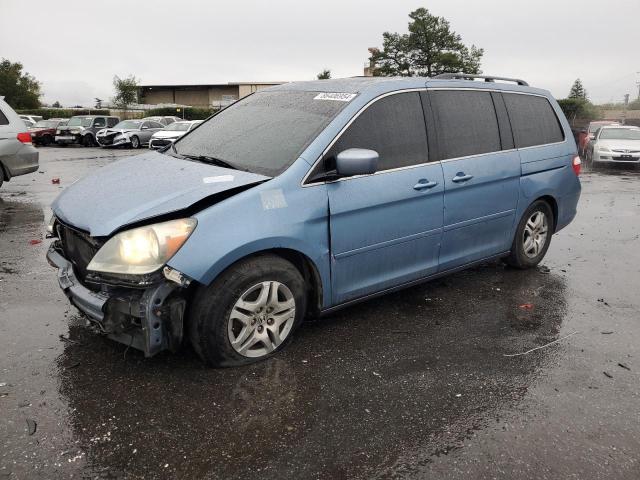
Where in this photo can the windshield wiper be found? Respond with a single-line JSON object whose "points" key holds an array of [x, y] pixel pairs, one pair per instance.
{"points": [[212, 160]]}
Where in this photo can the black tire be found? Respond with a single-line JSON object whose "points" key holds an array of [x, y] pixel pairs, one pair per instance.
{"points": [[47, 140], [88, 141], [209, 315], [518, 258], [135, 142]]}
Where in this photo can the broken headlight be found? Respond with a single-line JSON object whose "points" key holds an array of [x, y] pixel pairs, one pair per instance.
{"points": [[142, 250]]}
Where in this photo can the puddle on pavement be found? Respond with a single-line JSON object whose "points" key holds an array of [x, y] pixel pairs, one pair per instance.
{"points": [[416, 371]]}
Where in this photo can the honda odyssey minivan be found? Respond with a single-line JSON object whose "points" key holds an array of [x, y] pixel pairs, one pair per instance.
{"points": [[306, 197]]}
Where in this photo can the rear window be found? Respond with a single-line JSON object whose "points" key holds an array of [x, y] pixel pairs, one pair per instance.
{"points": [[533, 120], [466, 123]]}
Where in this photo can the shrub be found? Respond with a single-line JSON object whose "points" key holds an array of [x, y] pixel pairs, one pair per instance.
{"points": [[47, 113], [190, 113]]}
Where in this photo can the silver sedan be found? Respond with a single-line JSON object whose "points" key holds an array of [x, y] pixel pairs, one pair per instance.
{"points": [[134, 133]]}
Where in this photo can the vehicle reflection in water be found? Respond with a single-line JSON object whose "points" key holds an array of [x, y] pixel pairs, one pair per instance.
{"points": [[374, 390]]}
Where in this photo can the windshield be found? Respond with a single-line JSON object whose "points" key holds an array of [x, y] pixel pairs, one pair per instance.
{"points": [[262, 133], [128, 125], [596, 126], [46, 124], [178, 127], [620, 134], [80, 121]]}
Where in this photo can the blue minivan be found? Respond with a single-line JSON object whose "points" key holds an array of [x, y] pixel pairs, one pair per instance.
{"points": [[307, 197]]}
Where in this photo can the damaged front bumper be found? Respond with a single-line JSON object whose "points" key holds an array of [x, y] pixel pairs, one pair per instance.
{"points": [[149, 319]]}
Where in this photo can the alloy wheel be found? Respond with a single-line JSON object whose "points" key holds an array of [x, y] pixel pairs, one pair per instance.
{"points": [[535, 234], [261, 319]]}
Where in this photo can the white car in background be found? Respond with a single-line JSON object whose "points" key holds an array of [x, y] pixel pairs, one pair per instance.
{"points": [[30, 120], [615, 144], [171, 133]]}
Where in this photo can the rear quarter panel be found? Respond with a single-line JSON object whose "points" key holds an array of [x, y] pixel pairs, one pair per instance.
{"points": [[547, 171]]}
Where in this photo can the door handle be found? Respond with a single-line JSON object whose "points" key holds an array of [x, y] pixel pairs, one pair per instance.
{"points": [[461, 177], [424, 184]]}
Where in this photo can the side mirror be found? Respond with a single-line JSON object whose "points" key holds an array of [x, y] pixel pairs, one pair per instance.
{"points": [[144, 128], [356, 161]]}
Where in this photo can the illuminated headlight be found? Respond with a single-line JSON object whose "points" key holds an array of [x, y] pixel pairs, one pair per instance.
{"points": [[142, 250]]}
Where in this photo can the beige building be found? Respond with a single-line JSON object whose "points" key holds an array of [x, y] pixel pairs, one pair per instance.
{"points": [[214, 95]]}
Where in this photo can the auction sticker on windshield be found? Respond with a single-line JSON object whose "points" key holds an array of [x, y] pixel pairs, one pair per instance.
{"points": [[337, 96]]}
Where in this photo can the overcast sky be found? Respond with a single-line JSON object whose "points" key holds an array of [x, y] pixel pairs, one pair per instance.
{"points": [[74, 48]]}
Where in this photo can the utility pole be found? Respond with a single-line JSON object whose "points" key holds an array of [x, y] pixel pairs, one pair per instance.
{"points": [[626, 105]]}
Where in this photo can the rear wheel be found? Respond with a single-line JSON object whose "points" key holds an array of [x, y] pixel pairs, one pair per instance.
{"points": [[249, 313], [533, 236], [47, 140], [135, 142]]}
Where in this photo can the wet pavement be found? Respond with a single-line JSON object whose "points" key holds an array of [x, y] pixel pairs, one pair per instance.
{"points": [[416, 384]]}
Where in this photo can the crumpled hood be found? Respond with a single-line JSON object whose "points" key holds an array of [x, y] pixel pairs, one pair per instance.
{"points": [[112, 131], [142, 187]]}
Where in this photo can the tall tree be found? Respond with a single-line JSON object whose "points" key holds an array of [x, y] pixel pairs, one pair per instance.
{"points": [[126, 91], [578, 90], [56, 104], [20, 90], [98, 103], [430, 48], [325, 74]]}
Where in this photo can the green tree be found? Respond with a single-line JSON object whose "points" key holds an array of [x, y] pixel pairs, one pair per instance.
{"points": [[430, 48], [577, 90], [56, 104], [325, 74], [20, 90], [126, 91], [582, 108]]}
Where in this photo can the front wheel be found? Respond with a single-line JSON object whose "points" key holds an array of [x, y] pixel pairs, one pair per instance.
{"points": [[249, 313], [135, 142], [533, 236], [88, 141]]}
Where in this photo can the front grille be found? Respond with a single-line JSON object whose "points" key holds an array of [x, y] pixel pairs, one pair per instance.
{"points": [[78, 248], [106, 140], [627, 159], [161, 142]]}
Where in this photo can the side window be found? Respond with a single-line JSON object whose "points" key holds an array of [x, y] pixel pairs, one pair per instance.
{"points": [[533, 120], [112, 122], [156, 125], [99, 122], [3, 119], [466, 123], [392, 126]]}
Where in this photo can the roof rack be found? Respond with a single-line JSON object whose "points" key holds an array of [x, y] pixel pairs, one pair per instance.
{"points": [[487, 78]]}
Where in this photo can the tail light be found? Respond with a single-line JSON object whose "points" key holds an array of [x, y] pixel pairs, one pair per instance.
{"points": [[576, 164], [24, 137]]}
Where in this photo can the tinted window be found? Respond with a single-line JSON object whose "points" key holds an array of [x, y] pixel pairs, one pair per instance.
{"points": [[3, 119], [466, 123], [112, 121], [99, 122], [393, 126], [264, 132], [533, 120]]}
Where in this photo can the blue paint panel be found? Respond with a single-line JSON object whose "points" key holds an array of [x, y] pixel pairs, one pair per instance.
{"points": [[479, 213], [383, 231]]}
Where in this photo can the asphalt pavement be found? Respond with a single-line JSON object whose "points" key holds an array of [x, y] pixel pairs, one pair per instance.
{"points": [[437, 381]]}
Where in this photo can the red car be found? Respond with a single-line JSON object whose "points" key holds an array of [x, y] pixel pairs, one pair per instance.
{"points": [[588, 134], [44, 131]]}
